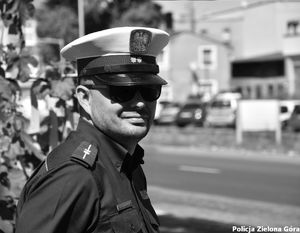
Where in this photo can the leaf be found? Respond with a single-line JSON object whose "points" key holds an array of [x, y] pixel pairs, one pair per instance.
{"points": [[26, 11], [63, 89], [24, 74], [22, 64], [4, 143], [31, 145]]}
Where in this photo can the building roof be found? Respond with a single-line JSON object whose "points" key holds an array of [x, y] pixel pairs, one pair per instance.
{"points": [[201, 36], [236, 12], [264, 57]]}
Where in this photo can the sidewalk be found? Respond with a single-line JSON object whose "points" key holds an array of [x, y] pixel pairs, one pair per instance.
{"points": [[221, 152], [225, 210], [221, 142], [187, 212]]}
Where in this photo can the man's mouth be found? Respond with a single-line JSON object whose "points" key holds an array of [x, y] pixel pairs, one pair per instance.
{"points": [[138, 121], [136, 118]]}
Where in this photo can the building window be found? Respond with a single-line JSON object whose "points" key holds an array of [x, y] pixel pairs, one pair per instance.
{"points": [[226, 35], [207, 57], [249, 92], [281, 91], [293, 28], [270, 91], [258, 69], [258, 92]]}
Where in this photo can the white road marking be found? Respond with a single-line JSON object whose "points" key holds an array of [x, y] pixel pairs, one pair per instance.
{"points": [[199, 169]]}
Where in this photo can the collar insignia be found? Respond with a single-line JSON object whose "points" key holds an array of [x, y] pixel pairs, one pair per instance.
{"points": [[139, 41], [85, 153]]}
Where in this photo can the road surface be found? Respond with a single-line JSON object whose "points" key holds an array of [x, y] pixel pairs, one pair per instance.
{"points": [[262, 180], [265, 189]]}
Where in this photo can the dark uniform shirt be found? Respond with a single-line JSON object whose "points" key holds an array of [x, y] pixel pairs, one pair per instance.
{"points": [[87, 184]]}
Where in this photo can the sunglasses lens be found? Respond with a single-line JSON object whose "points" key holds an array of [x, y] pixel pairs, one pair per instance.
{"points": [[150, 93], [122, 94]]}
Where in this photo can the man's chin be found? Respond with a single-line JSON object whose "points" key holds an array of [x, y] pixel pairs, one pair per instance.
{"points": [[138, 130]]}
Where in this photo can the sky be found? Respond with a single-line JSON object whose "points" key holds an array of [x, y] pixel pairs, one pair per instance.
{"points": [[182, 10], [181, 7]]}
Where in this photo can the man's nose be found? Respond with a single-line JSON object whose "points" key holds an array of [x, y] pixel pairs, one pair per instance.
{"points": [[138, 100]]}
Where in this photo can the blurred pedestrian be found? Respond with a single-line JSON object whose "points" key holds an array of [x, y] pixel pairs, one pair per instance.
{"points": [[93, 182]]}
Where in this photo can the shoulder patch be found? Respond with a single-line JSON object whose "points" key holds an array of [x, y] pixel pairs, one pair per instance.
{"points": [[85, 154]]}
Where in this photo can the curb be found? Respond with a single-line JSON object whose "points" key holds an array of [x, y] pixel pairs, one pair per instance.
{"points": [[184, 204], [222, 152]]}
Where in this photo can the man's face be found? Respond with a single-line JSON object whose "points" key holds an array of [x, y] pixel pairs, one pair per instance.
{"points": [[123, 121]]}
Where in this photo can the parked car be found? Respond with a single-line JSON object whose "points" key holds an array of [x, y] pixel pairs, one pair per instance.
{"points": [[191, 113], [284, 114], [222, 109], [168, 114], [286, 110], [294, 121]]}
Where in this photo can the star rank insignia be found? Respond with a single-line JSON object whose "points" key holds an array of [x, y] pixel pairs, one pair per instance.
{"points": [[136, 60], [85, 154], [139, 41]]}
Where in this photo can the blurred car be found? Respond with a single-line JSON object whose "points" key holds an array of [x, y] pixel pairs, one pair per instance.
{"points": [[286, 110], [284, 115], [168, 114], [222, 109], [191, 113], [294, 121]]}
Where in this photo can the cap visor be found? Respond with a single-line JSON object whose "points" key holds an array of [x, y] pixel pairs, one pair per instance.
{"points": [[130, 79]]}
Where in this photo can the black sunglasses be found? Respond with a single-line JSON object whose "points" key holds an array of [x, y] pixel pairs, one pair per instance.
{"points": [[122, 94]]}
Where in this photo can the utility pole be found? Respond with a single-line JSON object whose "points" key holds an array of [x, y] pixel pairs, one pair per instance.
{"points": [[192, 17], [81, 17]]}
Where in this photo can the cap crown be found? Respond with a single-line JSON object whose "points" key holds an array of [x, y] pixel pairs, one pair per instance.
{"points": [[130, 51], [116, 41]]}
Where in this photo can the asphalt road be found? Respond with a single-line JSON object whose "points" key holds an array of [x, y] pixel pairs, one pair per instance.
{"points": [[266, 180]]}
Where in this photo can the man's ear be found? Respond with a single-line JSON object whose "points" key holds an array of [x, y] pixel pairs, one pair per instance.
{"points": [[83, 96]]}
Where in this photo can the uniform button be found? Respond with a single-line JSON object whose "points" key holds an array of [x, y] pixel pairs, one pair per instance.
{"points": [[132, 227]]}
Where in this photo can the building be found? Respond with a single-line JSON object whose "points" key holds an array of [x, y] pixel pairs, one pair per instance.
{"points": [[266, 63], [253, 48], [194, 66]]}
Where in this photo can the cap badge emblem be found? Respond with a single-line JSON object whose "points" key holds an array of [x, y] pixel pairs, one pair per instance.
{"points": [[139, 41]]}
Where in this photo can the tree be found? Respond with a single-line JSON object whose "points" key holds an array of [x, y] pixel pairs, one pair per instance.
{"points": [[147, 14], [114, 13], [99, 15], [57, 22], [15, 61], [14, 14]]}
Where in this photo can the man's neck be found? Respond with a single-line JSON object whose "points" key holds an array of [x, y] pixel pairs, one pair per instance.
{"points": [[129, 145]]}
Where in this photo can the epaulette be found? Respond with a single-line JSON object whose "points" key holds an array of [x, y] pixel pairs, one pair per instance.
{"points": [[85, 154]]}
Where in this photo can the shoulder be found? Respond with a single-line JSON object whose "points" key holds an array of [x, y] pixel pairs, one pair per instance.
{"points": [[69, 175], [76, 149], [72, 161], [68, 192]]}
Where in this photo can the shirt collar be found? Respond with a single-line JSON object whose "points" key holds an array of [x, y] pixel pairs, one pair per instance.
{"points": [[119, 156], [131, 162]]}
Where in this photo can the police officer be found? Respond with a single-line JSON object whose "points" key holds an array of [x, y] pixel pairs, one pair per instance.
{"points": [[94, 182]]}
